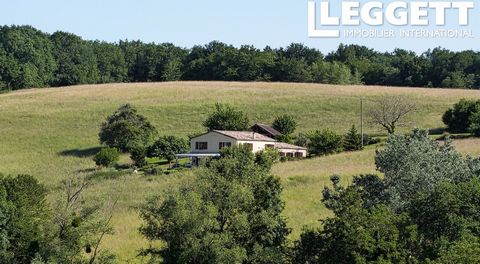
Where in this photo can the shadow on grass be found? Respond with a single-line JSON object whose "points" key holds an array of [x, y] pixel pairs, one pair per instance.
{"points": [[437, 131], [81, 153]]}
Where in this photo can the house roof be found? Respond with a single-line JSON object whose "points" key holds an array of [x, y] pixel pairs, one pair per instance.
{"points": [[282, 145], [245, 135], [272, 131]]}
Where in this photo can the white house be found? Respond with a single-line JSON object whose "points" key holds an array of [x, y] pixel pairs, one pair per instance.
{"points": [[210, 144]]}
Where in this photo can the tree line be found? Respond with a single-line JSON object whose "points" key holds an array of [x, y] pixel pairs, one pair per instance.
{"points": [[32, 58]]}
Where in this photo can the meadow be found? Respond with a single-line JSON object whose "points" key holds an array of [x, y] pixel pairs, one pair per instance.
{"points": [[52, 134]]}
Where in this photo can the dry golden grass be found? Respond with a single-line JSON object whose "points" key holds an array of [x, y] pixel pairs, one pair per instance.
{"points": [[50, 133]]}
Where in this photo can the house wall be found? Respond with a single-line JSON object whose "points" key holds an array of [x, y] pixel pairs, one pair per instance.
{"points": [[213, 140], [257, 145], [293, 151]]}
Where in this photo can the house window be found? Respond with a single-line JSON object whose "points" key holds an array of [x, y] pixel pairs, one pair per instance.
{"points": [[249, 146], [298, 154], [201, 145], [290, 154], [269, 146], [222, 145]]}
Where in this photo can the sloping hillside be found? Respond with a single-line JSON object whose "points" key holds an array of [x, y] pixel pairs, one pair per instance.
{"points": [[52, 134]]}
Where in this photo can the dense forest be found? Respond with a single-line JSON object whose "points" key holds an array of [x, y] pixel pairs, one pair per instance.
{"points": [[32, 58]]}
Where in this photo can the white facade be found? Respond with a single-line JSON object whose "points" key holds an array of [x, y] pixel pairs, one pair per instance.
{"points": [[213, 141]]}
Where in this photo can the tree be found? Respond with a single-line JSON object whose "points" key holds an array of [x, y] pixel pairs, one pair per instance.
{"points": [[29, 54], [285, 124], [230, 213], [356, 233], [226, 117], [76, 60], [474, 126], [125, 129], [324, 142], [172, 71], [167, 147], [352, 140], [110, 62], [458, 118], [266, 158], [6, 211], [414, 164], [138, 155], [107, 157], [390, 112], [29, 215], [447, 214], [464, 251], [77, 228]]}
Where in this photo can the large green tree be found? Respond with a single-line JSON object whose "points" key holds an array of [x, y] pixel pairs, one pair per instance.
{"points": [[226, 117], [414, 164], [126, 130], [285, 124], [230, 213], [76, 60], [29, 215], [359, 232], [167, 147], [26, 57]]}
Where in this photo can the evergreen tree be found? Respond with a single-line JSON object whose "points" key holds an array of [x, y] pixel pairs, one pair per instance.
{"points": [[352, 140]]}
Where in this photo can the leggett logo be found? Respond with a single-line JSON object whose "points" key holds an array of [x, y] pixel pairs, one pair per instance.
{"points": [[397, 13]]}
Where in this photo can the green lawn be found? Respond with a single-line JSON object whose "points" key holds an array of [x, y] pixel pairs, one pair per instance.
{"points": [[52, 134]]}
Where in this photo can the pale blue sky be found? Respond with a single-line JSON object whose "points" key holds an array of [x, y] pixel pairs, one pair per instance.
{"points": [[185, 23]]}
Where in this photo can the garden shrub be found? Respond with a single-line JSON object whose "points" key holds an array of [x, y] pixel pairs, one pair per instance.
{"points": [[458, 117], [324, 142], [107, 157]]}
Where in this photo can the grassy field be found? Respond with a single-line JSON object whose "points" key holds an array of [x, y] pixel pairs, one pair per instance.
{"points": [[52, 134]]}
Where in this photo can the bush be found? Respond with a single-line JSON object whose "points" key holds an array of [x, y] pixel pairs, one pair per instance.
{"points": [[324, 142], [367, 140], [267, 158], [352, 140], [458, 117], [285, 124], [138, 156], [154, 171], [302, 140], [107, 157]]}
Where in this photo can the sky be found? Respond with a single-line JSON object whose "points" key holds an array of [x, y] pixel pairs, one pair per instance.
{"points": [[275, 23]]}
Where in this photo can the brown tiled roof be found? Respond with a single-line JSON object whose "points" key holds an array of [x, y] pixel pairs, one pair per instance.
{"points": [[245, 135], [282, 145]]}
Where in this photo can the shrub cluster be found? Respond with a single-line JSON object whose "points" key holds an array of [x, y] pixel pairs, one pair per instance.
{"points": [[107, 157]]}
